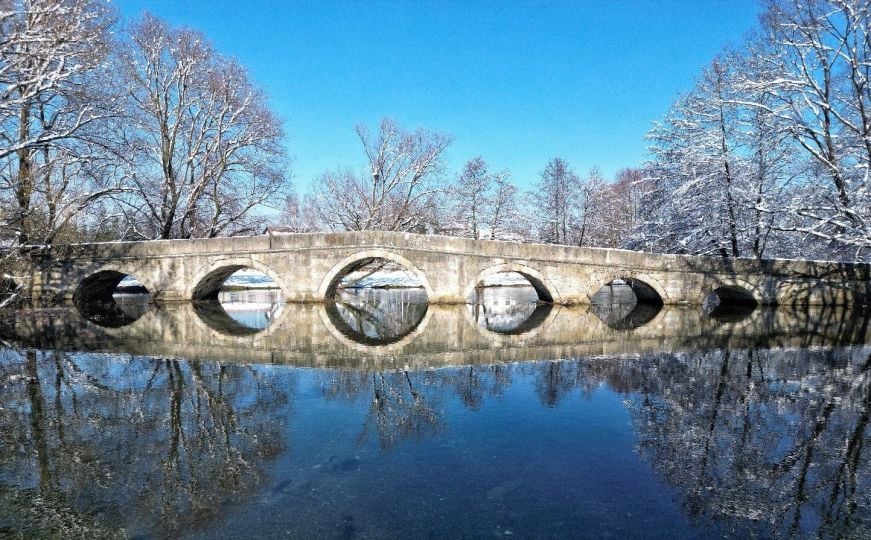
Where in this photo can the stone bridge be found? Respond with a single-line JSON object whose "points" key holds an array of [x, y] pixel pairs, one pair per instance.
{"points": [[308, 267]]}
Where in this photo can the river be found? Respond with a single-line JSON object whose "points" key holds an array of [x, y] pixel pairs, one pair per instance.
{"points": [[381, 416]]}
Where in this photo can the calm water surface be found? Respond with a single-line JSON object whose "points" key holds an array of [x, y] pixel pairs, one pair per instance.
{"points": [[379, 416]]}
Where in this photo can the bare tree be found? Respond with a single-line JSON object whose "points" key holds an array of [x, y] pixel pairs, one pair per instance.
{"points": [[621, 207], [481, 202], [52, 59], [471, 197], [299, 214], [205, 150], [556, 196], [403, 169], [503, 208], [589, 229]]}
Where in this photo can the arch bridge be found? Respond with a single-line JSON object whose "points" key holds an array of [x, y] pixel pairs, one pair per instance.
{"points": [[307, 267]]}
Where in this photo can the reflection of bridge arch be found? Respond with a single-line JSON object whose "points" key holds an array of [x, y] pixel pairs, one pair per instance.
{"points": [[371, 348], [208, 280], [547, 291], [637, 325], [222, 327], [94, 300], [640, 315], [327, 289], [213, 315], [537, 322]]}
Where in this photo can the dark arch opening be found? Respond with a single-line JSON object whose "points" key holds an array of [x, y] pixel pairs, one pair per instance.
{"points": [[237, 300], [112, 299], [626, 303], [374, 273], [729, 303], [510, 303], [377, 317], [511, 279]]}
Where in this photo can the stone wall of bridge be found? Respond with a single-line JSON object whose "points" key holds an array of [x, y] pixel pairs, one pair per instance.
{"points": [[306, 266]]}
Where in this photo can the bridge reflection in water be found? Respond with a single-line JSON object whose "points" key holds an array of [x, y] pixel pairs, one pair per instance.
{"points": [[752, 424], [396, 327]]}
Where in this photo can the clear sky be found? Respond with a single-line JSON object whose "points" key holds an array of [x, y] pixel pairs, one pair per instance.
{"points": [[515, 82]]}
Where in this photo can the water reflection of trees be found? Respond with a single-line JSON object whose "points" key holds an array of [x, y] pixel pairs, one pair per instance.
{"points": [[156, 445], [776, 443], [757, 442], [410, 404], [377, 317]]}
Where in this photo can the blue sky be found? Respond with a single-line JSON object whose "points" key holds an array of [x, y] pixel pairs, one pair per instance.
{"points": [[515, 82]]}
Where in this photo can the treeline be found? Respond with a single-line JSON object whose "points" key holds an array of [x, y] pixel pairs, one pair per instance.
{"points": [[149, 133], [767, 156], [404, 187]]}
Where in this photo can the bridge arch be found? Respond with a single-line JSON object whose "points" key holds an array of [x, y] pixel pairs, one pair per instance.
{"points": [[733, 291], [547, 291], [98, 283], [207, 281], [94, 297], [647, 288], [327, 289]]}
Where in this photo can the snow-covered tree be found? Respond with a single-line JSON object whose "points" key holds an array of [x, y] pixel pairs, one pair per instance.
{"points": [[817, 90], [696, 163], [769, 155]]}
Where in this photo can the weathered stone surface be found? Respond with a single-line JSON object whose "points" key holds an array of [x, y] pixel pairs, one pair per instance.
{"points": [[305, 266]]}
